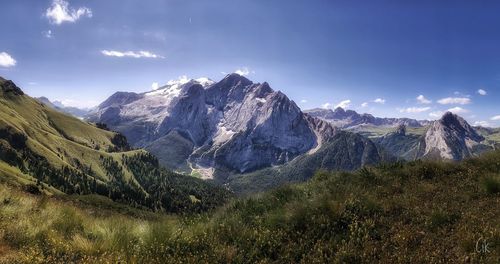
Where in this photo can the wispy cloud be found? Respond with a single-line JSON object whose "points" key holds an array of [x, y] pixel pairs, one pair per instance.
{"points": [[47, 34], [155, 86], [458, 110], [413, 110], [84, 104], [365, 104], [131, 54], [326, 106], [455, 100], [482, 123], [344, 104], [6, 60], [495, 118], [379, 101], [482, 92], [422, 100], [60, 12], [303, 101], [436, 114], [244, 71]]}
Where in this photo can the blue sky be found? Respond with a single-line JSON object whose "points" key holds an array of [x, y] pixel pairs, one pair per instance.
{"points": [[320, 53]]}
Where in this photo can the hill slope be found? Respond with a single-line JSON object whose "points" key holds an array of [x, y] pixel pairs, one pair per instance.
{"points": [[418, 212], [61, 154]]}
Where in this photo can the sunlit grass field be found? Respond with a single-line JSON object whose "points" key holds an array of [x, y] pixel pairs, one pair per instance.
{"points": [[417, 212]]}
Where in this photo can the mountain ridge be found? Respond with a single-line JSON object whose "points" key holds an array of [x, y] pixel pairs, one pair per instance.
{"points": [[56, 153], [231, 126], [349, 118]]}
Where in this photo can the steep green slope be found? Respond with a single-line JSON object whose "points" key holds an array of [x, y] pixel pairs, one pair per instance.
{"points": [[59, 153], [416, 212]]}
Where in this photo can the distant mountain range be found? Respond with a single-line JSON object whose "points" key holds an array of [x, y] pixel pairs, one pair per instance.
{"points": [[217, 129], [348, 118], [249, 137], [74, 111], [238, 133]]}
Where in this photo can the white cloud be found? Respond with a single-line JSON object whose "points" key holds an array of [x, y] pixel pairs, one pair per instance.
{"points": [[303, 101], [181, 80], [421, 99], [47, 34], [326, 105], [482, 123], [458, 110], [365, 104], [436, 114], [131, 54], [344, 104], [379, 101], [244, 71], [84, 104], [455, 100], [6, 60], [60, 12], [413, 110], [495, 118], [481, 92], [155, 86]]}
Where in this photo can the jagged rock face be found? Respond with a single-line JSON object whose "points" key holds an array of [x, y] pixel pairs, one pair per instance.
{"points": [[9, 88], [451, 138], [349, 118], [233, 124]]}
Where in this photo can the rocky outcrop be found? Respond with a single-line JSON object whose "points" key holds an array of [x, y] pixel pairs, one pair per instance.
{"points": [[451, 138], [10, 88]]}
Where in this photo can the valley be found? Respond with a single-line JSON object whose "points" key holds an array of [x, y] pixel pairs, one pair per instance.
{"points": [[249, 132]]}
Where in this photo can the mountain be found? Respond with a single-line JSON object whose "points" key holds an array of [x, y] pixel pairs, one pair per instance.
{"points": [[51, 152], [452, 138], [449, 138], [74, 111], [216, 129], [344, 151], [349, 119]]}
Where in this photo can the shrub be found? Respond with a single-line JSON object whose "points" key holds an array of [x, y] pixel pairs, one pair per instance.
{"points": [[440, 218], [492, 185]]}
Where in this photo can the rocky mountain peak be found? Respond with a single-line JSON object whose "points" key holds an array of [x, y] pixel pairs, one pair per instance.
{"points": [[9, 87], [235, 79], [401, 130], [458, 126], [339, 111], [120, 98], [451, 137]]}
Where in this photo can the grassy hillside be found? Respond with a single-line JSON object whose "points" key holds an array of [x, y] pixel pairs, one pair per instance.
{"points": [[417, 212], [54, 153]]}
